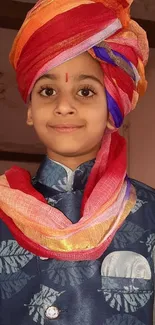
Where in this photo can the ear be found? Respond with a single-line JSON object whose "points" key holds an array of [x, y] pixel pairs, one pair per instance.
{"points": [[29, 120]]}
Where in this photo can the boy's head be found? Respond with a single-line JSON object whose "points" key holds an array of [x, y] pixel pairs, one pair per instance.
{"points": [[68, 108], [70, 38]]}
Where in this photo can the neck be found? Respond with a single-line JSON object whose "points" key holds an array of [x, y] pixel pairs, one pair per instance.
{"points": [[72, 162]]}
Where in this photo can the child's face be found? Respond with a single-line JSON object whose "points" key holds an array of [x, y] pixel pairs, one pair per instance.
{"points": [[68, 108]]}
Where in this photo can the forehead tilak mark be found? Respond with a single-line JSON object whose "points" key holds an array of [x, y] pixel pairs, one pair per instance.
{"points": [[67, 77]]}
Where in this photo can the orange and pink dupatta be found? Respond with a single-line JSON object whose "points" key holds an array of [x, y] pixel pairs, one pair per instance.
{"points": [[45, 231]]}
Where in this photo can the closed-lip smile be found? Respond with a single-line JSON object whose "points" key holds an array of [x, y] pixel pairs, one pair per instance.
{"points": [[66, 128]]}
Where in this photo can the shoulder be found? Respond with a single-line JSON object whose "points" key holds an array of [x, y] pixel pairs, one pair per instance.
{"points": [[143, 213], [144, 192]]}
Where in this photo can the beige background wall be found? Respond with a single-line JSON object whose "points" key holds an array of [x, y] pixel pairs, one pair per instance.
{"points": [[141, 132]]}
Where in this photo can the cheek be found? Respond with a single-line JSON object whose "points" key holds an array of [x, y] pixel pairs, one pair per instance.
{"points": [[40, 115], [97, 118], [97, 124]]}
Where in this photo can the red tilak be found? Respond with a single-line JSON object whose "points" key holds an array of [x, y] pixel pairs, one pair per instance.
{"points": [[66, 77]]}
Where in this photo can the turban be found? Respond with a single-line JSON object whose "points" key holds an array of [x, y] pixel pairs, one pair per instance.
{"points": [[55, 31]]}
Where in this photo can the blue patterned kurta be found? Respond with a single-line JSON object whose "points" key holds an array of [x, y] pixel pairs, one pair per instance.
{"points": [[116, 289]]}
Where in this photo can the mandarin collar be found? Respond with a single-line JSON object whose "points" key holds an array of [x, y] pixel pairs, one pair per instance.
{"points": [[62, 178]]}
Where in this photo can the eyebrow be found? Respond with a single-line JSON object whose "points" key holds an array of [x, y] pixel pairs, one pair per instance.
{"points": [[85, 76], [76, 78]]}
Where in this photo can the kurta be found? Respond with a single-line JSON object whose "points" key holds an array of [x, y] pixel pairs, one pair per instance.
{"points": [[116, 289]]}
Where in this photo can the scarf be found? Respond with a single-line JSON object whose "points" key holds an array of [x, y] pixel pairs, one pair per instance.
{"points": [[52, 33], [46, 232]]}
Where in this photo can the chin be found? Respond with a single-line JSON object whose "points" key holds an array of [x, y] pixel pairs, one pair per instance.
{"points": [[68, 153], [65, 151]]}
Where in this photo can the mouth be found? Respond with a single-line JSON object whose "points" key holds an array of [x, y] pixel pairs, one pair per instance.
{"points": [[66, 128]]}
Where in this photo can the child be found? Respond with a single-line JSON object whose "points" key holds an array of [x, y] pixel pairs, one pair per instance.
{"points": [[77, 239]]}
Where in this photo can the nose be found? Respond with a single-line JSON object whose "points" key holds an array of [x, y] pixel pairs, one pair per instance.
{"points": [[64, 107]]}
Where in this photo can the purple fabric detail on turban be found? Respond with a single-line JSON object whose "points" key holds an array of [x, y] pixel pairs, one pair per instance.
{"points": [[102, 54], [114, 110]]}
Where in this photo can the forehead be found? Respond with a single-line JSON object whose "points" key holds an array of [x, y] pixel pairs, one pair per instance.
{"points": [[75, 78], [83, 63], [76, 69]]}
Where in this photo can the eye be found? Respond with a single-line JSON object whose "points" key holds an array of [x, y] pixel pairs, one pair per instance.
{"points": [[86, 92], [47, 92]]}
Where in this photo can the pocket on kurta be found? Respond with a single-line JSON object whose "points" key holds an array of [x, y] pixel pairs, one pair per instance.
{"points": [[126, 294], [121, 291]]}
